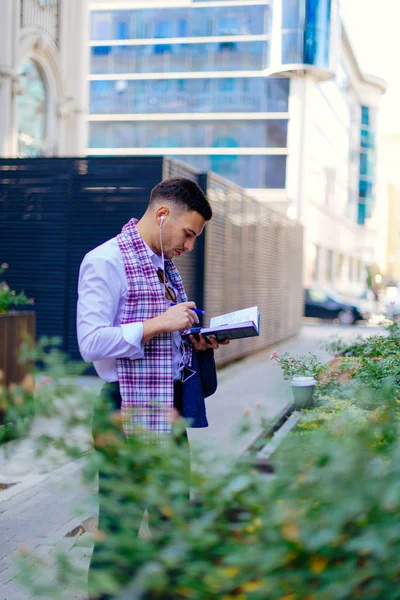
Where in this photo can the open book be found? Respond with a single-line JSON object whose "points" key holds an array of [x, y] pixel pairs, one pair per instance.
{"points": [[239, 324]]}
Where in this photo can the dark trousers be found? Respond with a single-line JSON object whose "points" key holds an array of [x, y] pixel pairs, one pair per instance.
{"points": [[110, 391]]}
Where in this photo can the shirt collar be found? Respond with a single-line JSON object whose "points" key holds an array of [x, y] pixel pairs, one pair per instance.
{"points": [[155, 258]]}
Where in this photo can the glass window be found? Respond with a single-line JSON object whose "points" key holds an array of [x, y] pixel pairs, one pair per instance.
{"points": [[162, 48], [122, 30], [365, 115], [275, 176], [163, 29], [367, 139], [361, 216], [365, 165], [317, 296], [277, 93], [227, 85], [317, 32], [163, 85], [291, 14], [227, 46], [158, 58], [101, 50], [180, 21], [246, 171], [211, 134], [292, 47], [101, 26], [182, 28], [365, 189], [31, 109], [227, 26], [191, 95]]}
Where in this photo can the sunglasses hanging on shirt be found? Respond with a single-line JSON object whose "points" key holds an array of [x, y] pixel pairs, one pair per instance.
{"points": [[169, 291]]}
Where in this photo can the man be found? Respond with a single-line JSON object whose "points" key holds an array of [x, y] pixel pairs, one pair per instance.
{"points": [[132, 309]]}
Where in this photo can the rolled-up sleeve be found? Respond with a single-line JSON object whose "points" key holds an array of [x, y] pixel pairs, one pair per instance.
{"points": [[99, 294]]}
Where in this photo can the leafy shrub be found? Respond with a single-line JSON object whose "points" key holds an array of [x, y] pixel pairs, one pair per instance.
{"points": [[9, 298], [325, 527]]}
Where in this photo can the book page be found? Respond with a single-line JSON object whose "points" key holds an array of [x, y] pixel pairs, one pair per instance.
{"points": [[239, 316]]}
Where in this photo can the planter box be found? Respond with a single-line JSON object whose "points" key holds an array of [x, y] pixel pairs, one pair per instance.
{"points": [[15, 327]]}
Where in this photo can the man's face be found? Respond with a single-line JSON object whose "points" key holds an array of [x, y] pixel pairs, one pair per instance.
{"points": [[179, 232]]}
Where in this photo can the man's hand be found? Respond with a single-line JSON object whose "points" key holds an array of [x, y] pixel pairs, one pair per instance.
{"points": [[179, 317], [201, 343]]}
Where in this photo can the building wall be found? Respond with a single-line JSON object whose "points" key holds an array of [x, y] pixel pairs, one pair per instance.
{"points": [[326, 183], [43, 66], [393, 234], [268, 94], [188, 80]]}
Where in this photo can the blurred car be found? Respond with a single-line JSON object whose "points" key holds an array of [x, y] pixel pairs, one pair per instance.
{"points": [[321, 304]]}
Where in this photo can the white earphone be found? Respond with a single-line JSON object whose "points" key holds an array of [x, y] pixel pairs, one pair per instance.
{"points": [[162, 248]]}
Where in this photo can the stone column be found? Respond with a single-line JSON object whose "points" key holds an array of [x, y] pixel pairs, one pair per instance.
{"points": [[8, 34], [74, 67]]}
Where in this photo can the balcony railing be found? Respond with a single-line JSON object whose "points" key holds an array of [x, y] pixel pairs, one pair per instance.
{"points": [[43, 14]]}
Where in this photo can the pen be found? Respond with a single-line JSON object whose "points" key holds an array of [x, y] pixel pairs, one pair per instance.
{"points": [[196, 310]]}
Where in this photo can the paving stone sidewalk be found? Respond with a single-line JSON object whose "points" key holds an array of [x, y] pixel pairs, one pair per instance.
{"points": [[49, 499]]}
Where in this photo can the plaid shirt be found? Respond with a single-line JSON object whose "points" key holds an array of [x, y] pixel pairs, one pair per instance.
{"points": [[146, 384]]}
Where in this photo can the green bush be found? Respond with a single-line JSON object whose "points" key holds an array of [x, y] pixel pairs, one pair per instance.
{"points": [[324, 527], [9, 298]]}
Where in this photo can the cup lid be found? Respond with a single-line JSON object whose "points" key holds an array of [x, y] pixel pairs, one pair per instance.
{"points": [[301, 381]]}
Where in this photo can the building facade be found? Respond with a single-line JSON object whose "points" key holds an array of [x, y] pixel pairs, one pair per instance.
{"points": [[267, 93], [43, 70]]}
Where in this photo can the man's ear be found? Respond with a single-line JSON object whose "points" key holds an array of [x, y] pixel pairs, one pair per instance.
{"points": [[161, 215]]}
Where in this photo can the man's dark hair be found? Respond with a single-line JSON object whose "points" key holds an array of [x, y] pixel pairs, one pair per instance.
{"points": [[184, 193]]}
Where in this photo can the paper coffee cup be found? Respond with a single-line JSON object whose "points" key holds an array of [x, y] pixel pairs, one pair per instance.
{"points": [[303, 391]]}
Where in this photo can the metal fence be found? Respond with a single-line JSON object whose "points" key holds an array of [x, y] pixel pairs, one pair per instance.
{"points": [[54, 210], [253, 257]]}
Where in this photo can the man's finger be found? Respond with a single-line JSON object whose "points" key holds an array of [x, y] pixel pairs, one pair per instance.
{"points": [[189, 304]]}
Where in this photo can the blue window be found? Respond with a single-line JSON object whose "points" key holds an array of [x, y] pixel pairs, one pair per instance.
{"points": [[162, 48], [225, 166], [227, 26], [122, 30], [277, 95], [361, 214], [292, 14], [227, 46], [181, 57], [317, 34], [182, 28], [194, 95], [180, 21], [227, 85], [365, 189], [275, 175], [365, 115], [163, 29], [367, 139], [101, 50], [101, 26], [365, 166], [247, 171]]}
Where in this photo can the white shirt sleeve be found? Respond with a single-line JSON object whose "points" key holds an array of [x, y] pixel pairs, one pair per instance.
{"points": [[100, 289]]}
